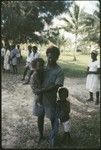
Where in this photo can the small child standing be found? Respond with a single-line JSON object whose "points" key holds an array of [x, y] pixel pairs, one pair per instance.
{"points": [[63, 110]]}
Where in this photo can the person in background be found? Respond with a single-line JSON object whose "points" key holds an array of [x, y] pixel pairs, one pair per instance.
{"points": [[7, 59], [28, 62], [63, 110], [13, 58], [19, 54], [34, 55], [2, 54], [93, 77]]}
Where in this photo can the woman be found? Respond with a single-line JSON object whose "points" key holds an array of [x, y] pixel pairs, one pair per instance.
{"points": [[93, 77], [7, 59]]}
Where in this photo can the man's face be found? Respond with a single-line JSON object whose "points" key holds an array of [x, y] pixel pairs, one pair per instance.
{"points": [[51, 58]]}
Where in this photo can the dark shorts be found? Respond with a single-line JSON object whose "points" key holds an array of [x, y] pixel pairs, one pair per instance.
{"points": [[41, 110]]}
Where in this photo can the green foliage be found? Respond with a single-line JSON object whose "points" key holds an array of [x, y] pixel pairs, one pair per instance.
{"points": [[21, 19]]}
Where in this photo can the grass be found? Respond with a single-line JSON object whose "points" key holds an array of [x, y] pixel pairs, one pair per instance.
{"points": [[71, 68]]}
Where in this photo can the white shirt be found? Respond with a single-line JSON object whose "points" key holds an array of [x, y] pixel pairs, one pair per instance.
{"points": [[93, 66], [2, 52], [34, 56], [29, 57]]}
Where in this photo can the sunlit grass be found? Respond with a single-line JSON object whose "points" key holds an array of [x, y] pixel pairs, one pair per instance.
{"points": [[71, 68]]}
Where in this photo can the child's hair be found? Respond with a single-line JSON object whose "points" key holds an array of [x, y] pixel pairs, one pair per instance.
{"points": [[34, 62], [63, 89]]}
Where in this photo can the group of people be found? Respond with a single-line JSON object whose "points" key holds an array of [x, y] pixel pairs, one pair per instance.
{"points": [[50, 95], [10, 57]]}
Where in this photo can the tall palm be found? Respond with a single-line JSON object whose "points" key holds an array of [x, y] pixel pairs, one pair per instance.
{"points": [[94, 25], [91, 32], [74, 24]]}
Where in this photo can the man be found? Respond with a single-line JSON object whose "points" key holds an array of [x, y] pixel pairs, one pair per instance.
{"points": [[34, 55], [53, 79], [28, 61], [14, 53]]}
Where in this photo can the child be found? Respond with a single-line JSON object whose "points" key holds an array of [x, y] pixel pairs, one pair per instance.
{"points": [[63, 110], [36, 83], [93, 77]]}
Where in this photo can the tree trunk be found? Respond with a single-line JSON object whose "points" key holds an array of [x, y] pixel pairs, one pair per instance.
{"points": [[75, 48]]}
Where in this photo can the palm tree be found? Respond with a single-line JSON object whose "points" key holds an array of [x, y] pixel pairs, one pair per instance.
{"points": [[74, 24], [94, 25], [91, 32]]}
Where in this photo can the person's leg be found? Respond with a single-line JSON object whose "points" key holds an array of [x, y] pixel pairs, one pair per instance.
{"points": [[91, 96], [40, 122], [67, 129], [54, 131], [15, 69], [97, 98], [25, 72], [30, 73]]}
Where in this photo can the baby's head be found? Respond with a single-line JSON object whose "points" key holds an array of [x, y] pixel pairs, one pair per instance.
{"points": [[63, 93], [38, 64]]}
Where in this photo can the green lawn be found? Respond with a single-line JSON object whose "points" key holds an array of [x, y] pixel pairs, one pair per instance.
{"points": [[70, 67]]}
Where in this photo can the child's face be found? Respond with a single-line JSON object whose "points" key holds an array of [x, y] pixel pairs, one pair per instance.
{"points": [[63, 95], [39, 65]]}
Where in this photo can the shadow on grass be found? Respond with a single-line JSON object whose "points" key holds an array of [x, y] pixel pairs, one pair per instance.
{"points": [[84, 133]]}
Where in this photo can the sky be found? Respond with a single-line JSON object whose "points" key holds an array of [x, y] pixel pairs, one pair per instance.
{"points": [[88, 6]]}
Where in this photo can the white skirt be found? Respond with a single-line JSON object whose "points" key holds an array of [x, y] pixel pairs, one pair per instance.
{"points": [[93, 83]]}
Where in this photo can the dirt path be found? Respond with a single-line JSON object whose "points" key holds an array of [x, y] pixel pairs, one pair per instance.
{"points": [[19, 126]]}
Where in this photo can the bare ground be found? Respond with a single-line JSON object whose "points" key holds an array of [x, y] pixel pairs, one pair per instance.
{"points": [[19, 126]]}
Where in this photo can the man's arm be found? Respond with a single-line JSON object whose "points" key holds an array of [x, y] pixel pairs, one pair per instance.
{"points": [[48, 89]]}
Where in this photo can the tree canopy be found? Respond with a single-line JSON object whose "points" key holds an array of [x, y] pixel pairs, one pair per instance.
{"points": [[21, 19]]}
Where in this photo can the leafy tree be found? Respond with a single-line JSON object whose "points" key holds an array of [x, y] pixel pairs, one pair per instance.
{"points": [[21, 19], [92, 26], [75, 24]]}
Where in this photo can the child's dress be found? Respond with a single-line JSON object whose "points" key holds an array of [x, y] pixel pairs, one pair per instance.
{"points": [[93, 80]]}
